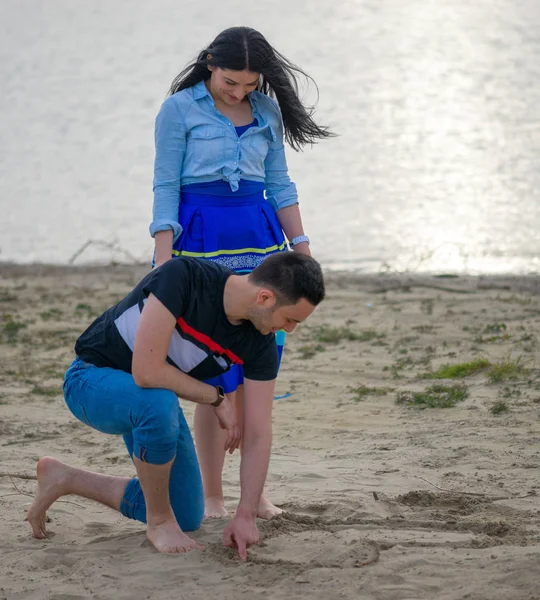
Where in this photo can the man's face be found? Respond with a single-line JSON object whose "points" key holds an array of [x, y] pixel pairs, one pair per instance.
{"points": [[268, 317]]}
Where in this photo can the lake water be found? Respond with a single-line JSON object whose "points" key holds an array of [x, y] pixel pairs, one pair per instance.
{"points": [[436, 103]]}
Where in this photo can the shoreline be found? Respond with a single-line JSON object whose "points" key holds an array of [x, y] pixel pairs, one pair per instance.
{"points": [[375, 282]]}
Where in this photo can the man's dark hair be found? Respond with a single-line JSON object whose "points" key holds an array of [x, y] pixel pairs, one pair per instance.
{"points": [[291, 276]]}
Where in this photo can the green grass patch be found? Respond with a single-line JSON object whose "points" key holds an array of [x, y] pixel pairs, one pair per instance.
{"points": [[507, 370], [310, 351], [53, 314], [333, 335], [435, 396], [492, 339], [7, 297], [401, 363], [46, 391], [9, 329], [363, 391], [459, 370], [424, 328], [499, 408], [85, 310], [494, 328]]}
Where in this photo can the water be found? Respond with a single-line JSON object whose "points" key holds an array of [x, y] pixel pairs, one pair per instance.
{"points": [[437, 166]]}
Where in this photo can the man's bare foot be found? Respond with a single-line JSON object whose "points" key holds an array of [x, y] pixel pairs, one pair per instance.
{"points": [[266, 510], [52, 477], [214, 508], [168, 537]]}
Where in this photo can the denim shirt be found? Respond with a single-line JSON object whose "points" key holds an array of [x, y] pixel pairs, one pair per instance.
{"points": [[195, 143]]}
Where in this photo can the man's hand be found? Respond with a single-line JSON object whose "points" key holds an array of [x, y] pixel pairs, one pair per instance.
{"points": [[240, 534], [227, 420]]}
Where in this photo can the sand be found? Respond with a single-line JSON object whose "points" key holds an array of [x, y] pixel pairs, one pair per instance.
{"points": [[383, 500]]}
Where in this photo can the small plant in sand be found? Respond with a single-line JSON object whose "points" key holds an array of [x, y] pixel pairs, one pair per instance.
{"points": [[84, 310], [435, 396], [499, 408], [46, 391], [494, 328], [363, 391], [424, 328], [310, 351], [333, 335], [53, 314], [459, 370], [508, 370], [7, 297], [511, 392], [405, 362], [426, 306], [9, 329]]}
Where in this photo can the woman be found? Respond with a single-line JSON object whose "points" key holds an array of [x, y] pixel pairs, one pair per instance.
{"points": [[221, 186]]}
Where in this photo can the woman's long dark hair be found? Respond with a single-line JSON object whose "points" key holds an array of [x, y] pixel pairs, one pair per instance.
{"points": [[243, 48]]}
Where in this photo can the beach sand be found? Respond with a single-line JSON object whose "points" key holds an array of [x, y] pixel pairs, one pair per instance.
{"points": [[383, 500]]}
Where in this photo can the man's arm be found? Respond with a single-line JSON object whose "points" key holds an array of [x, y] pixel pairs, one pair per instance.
{"points": [[242, 531], [151, 370]]}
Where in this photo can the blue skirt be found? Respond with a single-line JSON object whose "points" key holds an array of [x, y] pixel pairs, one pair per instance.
{"points": [[237, 230]]}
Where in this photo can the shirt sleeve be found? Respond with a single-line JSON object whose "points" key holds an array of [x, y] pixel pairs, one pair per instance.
{"points": [[263, 363], [170, 141], [280, 190], [170, 284]]}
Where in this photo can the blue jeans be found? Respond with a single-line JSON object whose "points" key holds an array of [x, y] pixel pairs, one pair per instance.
{"points": [[154, 430]]}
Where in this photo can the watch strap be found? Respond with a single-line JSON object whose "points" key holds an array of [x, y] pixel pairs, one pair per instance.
{"points": [[220, 396]]}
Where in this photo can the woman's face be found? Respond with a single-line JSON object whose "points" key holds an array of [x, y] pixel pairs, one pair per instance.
{"points": [[231, 87]]}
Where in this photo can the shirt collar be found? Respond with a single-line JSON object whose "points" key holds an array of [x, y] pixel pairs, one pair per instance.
{"points": [[200, 90]]}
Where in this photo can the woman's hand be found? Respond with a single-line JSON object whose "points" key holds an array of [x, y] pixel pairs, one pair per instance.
{"points": [[160, 261], [302, 248], [164, 244]]}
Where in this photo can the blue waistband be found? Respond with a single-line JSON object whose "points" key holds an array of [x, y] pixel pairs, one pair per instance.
{"points": [[222, 188], [219, 193], [202, 200]]}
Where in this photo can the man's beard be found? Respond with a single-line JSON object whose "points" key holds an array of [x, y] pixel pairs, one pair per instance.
{"points": [[260, 318]]}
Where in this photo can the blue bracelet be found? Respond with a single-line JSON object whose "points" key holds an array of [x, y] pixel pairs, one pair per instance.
{"points": [[299, 239]]}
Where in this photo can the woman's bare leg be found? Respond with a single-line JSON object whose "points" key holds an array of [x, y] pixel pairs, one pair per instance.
{"points": [[210, 443]]}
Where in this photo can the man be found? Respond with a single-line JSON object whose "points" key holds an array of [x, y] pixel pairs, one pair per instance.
{"points": [[185, 322]]}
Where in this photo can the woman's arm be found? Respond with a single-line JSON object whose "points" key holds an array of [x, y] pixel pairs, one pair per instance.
{"points": [[291, 223], [170, 141], [281, 192], [164, 242]]}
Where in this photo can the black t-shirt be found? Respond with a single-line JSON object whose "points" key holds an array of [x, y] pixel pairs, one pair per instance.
{"points": [[204, 343]]}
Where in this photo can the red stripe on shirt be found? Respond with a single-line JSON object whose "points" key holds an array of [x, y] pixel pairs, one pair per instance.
{"points": [[201, 337]]}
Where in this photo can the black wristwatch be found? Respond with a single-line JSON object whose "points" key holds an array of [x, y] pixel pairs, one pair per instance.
{"points": [[220, 396]]}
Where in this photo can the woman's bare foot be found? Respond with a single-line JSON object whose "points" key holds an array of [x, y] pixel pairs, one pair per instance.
{"points": [[267, 510], [52, 477], [214, 508], [168, 537]]}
